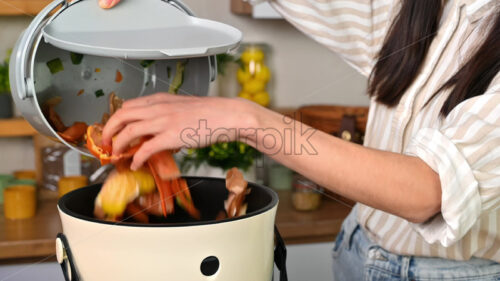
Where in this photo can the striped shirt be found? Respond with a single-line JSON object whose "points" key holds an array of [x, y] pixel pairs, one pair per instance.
{"points": [[463, 148]]}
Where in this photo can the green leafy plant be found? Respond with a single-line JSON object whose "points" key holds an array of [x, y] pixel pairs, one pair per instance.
{"points": [[222, 155], [4, 75]]}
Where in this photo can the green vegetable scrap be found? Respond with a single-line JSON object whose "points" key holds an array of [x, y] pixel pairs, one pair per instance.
{"points": [[99, 93], [55, 65], [146, 63], [76, 58], [178, 78]]}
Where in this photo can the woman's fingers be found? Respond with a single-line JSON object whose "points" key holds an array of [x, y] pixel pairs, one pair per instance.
{"points": [[159, 143], [125, 116], [154, 99], [133, 131], [106, 4]]}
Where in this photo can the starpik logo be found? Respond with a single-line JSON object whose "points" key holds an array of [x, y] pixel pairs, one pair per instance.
{"points": [[291, 139]]}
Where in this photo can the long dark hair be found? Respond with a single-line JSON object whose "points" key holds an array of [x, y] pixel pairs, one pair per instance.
{"points": [[404, 50]]}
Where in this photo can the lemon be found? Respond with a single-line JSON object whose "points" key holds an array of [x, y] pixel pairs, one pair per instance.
{"points": [[119, 189], [243, 75], [145, 180], [252, 54], [254, 86], [261, 98], [245, 95], [262, 72]]}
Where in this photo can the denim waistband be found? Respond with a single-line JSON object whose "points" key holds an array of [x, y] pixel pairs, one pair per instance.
{"points": [[406, 267]]}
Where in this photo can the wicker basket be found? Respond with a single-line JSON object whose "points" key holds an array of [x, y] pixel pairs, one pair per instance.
{"points": [[328, 118]]}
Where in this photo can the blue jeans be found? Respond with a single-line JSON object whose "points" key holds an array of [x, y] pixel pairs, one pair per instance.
{"points": [[355, 258]]}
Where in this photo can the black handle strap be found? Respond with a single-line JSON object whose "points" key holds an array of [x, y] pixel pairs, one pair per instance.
{"points": [[67, 263], [280, 255]]}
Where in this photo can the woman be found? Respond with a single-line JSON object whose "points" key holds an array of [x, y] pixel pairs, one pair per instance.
{"points": [[428, 176]]}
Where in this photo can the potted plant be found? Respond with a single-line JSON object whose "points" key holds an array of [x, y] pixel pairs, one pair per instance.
{"points": [[216, 159], [5, 98]]}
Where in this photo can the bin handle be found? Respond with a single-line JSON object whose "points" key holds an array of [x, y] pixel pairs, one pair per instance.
{"points": [[65, 258], [280, 255]]}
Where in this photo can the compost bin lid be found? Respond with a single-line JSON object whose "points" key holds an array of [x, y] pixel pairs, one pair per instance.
{"points": [[138, 29]]}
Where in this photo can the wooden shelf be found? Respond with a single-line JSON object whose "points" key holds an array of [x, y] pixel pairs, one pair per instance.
{"points": [[16, 127], [241, 7], [22, 7]]}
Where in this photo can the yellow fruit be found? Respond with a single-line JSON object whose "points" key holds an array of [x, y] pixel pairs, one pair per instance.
{"points": [[254, 86], [145, 180], [262, 98], [245, 95], [243, 75], [119, 189], [262, 72], [252, 54]]}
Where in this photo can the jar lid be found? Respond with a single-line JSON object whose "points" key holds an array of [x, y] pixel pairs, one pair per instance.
{"points": [[145, 29]]}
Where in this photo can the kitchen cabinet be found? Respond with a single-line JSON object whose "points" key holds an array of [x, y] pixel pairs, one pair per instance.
{"points": [[36, 271], [18, 127], [22, 7], [311, 262]]}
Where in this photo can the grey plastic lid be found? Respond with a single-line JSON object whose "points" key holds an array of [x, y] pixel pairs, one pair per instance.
{"points": [[138, 29]]}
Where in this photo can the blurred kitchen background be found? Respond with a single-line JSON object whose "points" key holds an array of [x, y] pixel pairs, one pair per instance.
{"points": [[303, 73]]}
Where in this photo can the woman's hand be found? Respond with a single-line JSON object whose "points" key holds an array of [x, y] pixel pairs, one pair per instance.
{"points": [[106, 4], [173, 122], [380, 179]]}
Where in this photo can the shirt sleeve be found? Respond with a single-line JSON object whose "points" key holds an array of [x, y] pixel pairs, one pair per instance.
{"points": [[465, 152], [355, 29]]}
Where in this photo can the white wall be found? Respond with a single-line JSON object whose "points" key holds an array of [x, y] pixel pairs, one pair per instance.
{"points": [[304, 71]]}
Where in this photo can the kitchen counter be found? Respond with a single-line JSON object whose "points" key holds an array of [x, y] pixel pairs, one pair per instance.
{"points": [[35, 237], [321, 225]]}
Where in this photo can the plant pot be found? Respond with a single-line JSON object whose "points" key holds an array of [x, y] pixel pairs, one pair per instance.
{"points": [[5, 105], [205, 170]]}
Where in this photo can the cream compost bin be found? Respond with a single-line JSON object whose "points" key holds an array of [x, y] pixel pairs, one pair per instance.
{"points": [[74, 52]]}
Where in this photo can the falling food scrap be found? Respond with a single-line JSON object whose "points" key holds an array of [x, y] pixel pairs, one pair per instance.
{"points": [[119, 76], [80, 92]]}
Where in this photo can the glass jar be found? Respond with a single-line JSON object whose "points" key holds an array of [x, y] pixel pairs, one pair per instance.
{"points": [[253, 73], [306, 195]]}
